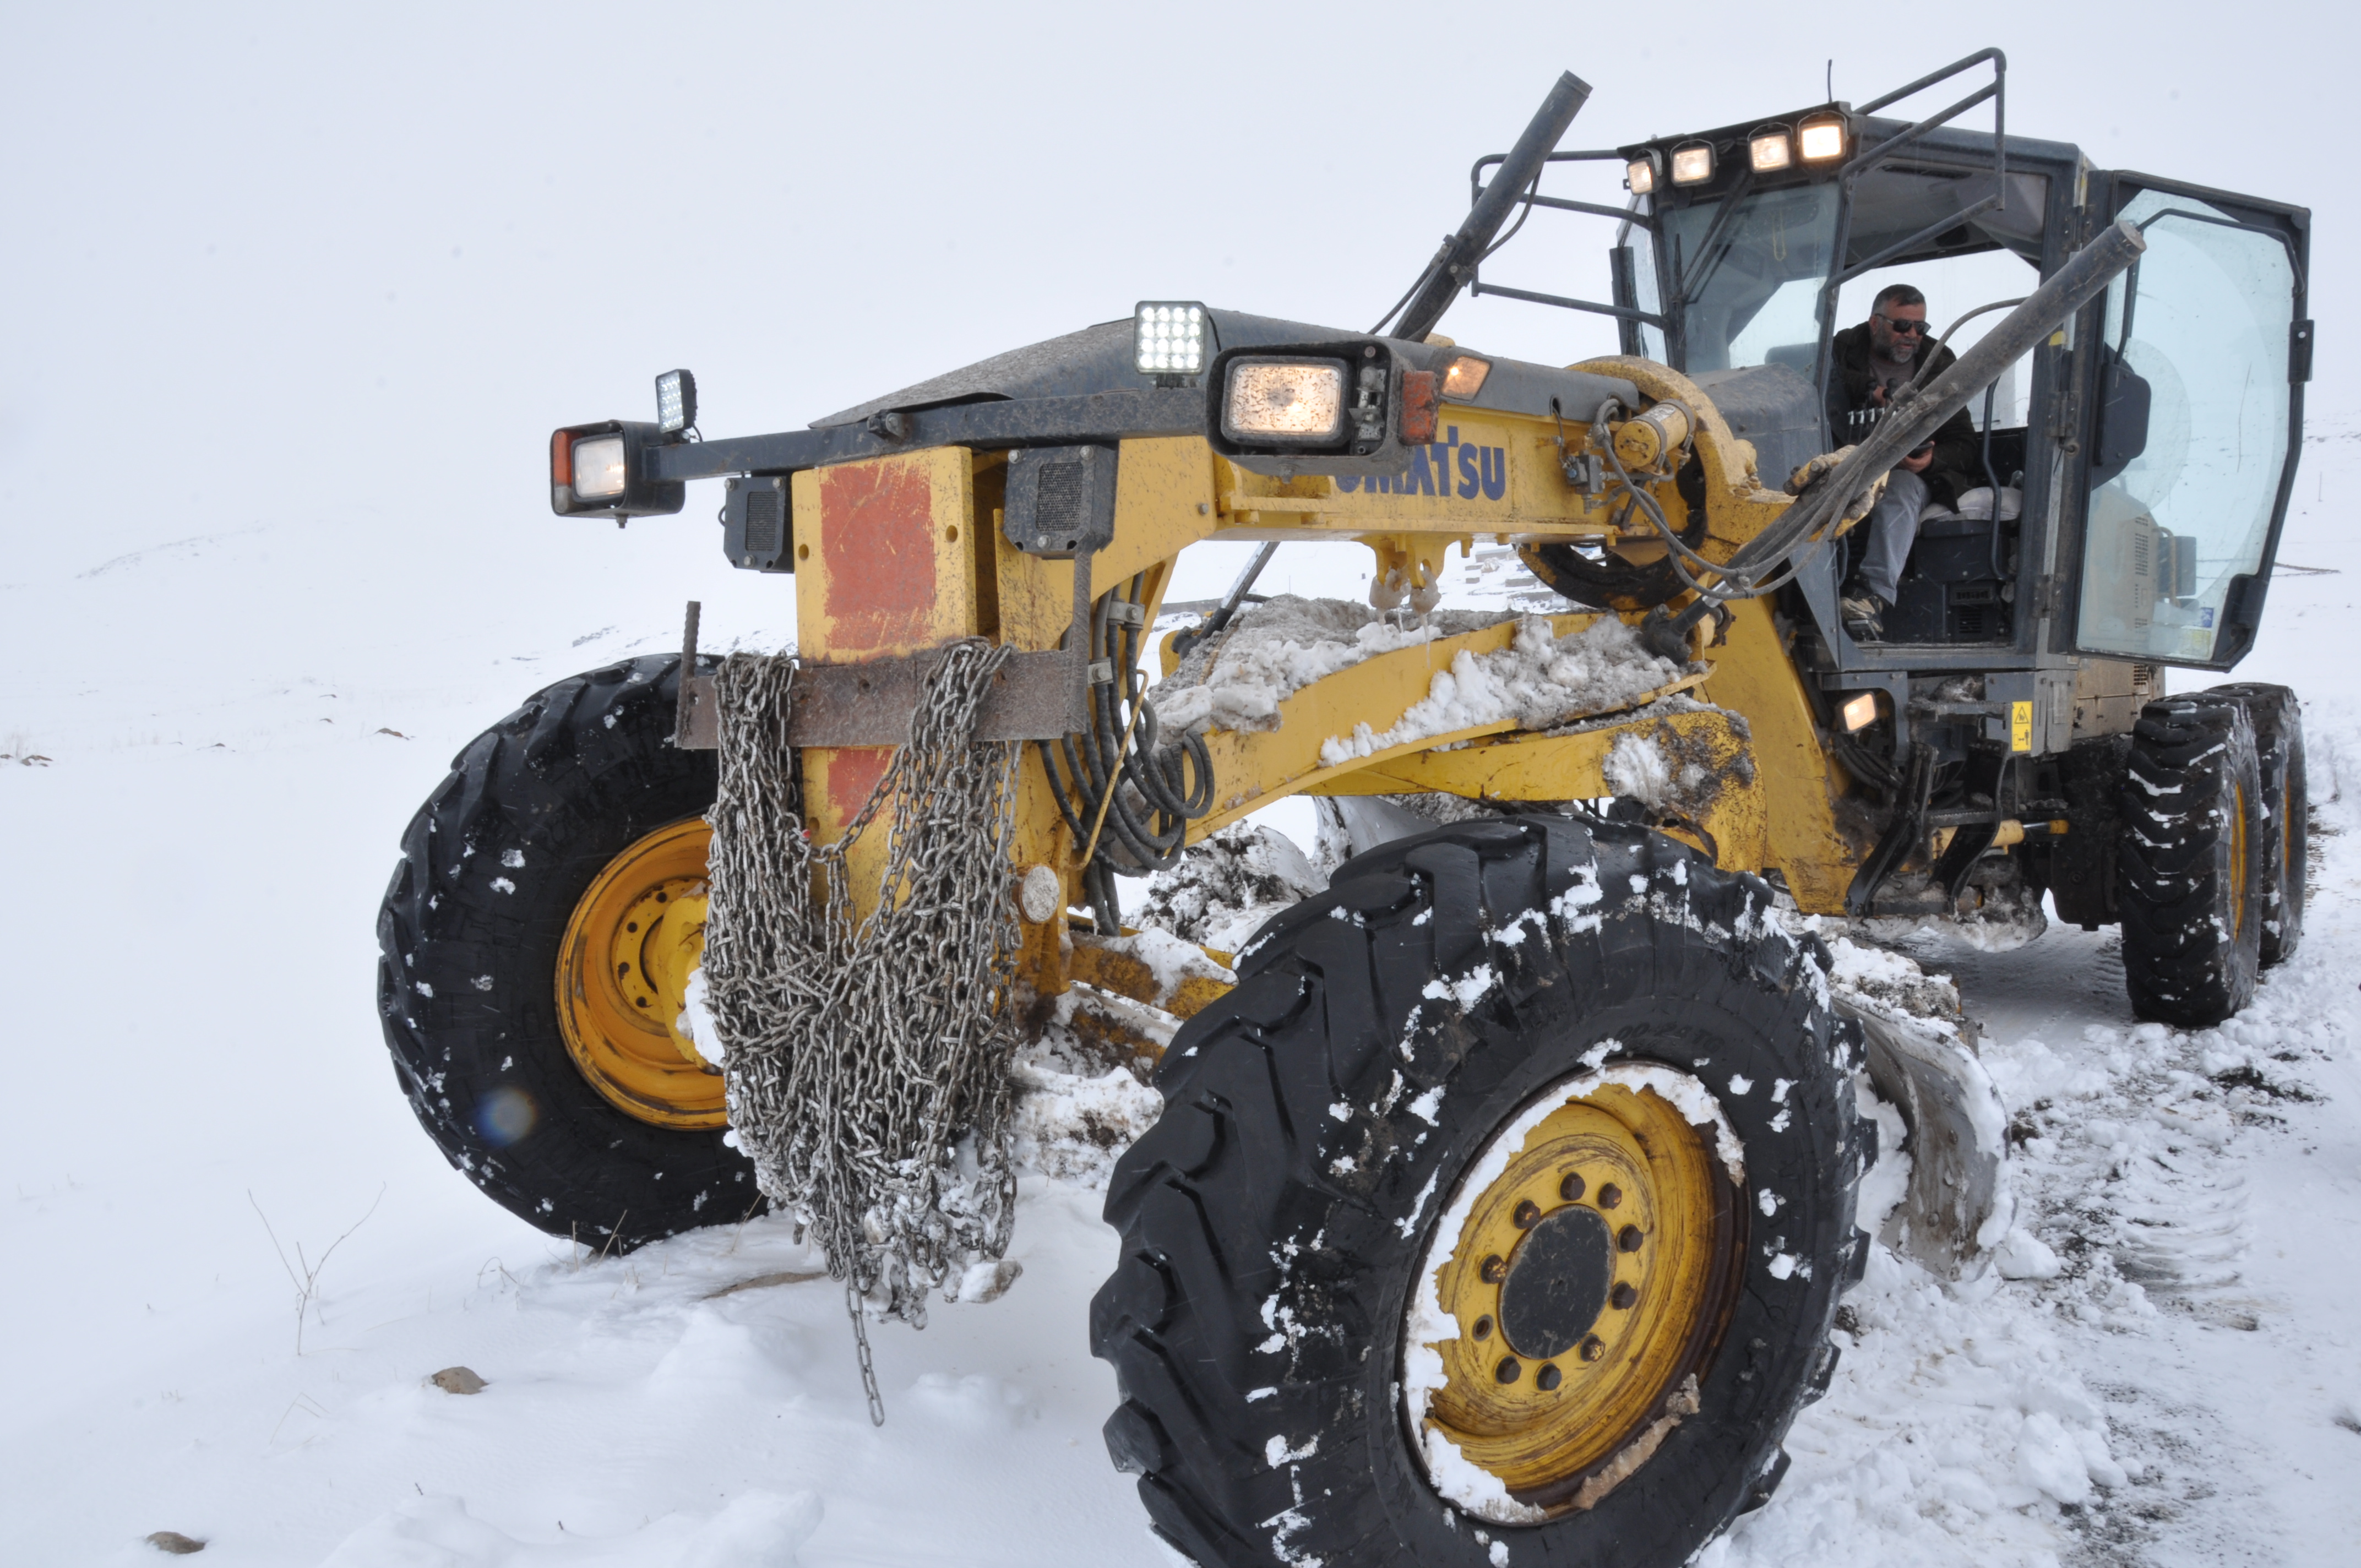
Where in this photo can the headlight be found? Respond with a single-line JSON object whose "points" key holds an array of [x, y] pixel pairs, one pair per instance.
{"points": [[1769, 148], [1285, 403], [1693, 164], [599, 468], [1821, 137], [1640, 175], [1168, 337], [602, 469]]}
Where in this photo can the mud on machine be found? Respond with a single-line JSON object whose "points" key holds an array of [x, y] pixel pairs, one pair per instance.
{"points": [[1504, 1192]]}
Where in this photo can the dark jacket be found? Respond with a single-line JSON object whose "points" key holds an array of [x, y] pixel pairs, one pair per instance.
{"points": [[1958, 465]]}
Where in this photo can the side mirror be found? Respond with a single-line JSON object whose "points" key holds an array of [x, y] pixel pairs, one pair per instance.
{"points": [[2122, 430]]}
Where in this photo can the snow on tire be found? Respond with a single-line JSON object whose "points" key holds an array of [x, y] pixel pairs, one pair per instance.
{"points": [[1393, 1050]]}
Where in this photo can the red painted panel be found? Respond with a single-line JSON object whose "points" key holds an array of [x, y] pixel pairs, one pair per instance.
{"points": [[877, 543], [853, 773]]}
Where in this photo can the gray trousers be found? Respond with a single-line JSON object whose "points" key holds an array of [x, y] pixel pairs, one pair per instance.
{"points": [[1892, 528]]}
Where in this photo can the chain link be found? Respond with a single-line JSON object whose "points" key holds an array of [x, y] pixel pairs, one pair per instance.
{"points": [[861, 1349], [866, 1057]]}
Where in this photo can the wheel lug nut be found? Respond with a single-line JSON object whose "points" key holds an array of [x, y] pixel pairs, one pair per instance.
{"points": [[1495, 1270], [1623, 1295], [1610, 1196], [1629, 1238], [1548, 1377], [1528, 1215], [1507, 1371], [1593, 1347], [1571, 1187]]}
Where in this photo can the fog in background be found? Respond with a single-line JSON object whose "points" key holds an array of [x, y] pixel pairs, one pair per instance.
{"points": [[334, 275]]}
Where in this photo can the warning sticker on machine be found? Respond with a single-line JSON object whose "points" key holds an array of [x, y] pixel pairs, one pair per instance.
{"points": [[2020, 727]]}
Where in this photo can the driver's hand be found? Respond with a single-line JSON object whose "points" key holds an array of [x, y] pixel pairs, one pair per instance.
{"points": [[1917, 465], [1877, 394]]}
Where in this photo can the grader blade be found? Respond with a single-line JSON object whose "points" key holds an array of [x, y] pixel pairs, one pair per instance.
{"points": [[1958, 1199]]}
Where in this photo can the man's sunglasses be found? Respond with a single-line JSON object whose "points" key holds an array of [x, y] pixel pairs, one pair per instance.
{"points": [[1905, 327]]}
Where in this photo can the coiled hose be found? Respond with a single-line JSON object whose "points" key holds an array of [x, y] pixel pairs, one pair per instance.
{"points": [[1143, 826]]}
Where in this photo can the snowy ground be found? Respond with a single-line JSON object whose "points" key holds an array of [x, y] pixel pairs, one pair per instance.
{"points": [[200, 868]]}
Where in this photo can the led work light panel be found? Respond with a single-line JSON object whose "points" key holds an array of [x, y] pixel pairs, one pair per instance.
{"points": [[676, 401], [1168, 338]]}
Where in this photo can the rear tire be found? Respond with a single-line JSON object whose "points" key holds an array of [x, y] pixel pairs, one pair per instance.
{"points": [[1321, 1123], [493, 868], [2190, 883], [2278, 717]]}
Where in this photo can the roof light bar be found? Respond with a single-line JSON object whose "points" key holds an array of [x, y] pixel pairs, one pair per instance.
{"points": [[1821, 137]]}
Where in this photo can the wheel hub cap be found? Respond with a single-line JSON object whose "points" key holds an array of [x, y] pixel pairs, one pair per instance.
{"points": [[1557, 1283]]}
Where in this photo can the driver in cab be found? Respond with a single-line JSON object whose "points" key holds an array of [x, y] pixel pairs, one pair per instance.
{"points": [[1875, 362]]}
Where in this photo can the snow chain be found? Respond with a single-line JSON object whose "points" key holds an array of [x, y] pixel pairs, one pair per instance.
{"points": [[867, 1061]]}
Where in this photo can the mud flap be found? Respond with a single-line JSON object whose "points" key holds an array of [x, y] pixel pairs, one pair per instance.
{"points": [[1957, 1206]]}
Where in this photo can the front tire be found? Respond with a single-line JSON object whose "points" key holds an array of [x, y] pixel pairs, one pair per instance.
{"points": [[1491, 995], [566, 841]]}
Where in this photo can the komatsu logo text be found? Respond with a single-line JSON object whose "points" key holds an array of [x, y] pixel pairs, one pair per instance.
{"points": [[1444, 467]]}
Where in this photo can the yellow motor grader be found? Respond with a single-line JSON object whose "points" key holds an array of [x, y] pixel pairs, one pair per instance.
{"points": [[1503, 1192]]}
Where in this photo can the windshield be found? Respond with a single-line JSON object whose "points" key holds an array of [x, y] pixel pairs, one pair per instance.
{"points": [[1753, 284]]}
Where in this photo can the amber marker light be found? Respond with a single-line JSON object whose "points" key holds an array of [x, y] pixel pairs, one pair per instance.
{"points": [[1464, 376]]}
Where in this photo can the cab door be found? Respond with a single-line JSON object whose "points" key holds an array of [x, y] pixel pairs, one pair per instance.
{"points": [[2193, 423]]}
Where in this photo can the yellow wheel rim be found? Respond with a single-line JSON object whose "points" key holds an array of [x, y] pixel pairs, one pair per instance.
{"points": [[633, 942], [2237, 861], [1588, 1275]]}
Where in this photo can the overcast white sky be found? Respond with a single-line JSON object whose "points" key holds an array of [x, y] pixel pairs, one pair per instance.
{"points": [[338, 273]]}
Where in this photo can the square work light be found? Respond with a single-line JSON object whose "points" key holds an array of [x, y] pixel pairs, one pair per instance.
{"points": [[676, 401], [1169, 337]]}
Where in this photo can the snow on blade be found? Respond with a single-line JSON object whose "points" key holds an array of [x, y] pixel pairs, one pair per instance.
{"points": [[1538, 681], [1272, 651]]}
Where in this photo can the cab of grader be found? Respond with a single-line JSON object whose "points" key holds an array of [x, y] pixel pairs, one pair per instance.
{"points": [[1504, 1193]]}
